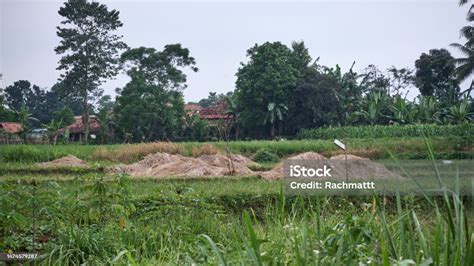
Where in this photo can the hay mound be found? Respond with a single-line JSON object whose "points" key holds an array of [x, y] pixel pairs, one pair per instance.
{"points": [[164, 164], [67, 161], [358, 167], [277, 171], [308, 156]]}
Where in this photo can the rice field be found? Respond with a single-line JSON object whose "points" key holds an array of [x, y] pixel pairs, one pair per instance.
{"points": [[85, 216], [378, 148]]}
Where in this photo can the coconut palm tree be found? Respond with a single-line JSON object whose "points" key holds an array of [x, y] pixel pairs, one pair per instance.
{"points": [[465, 64]]}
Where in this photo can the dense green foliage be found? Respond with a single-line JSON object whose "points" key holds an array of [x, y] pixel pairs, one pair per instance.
{"points": [[435, 75], [309, 95], [407, 131], [151, 105], [264, 82], [40, 103]]}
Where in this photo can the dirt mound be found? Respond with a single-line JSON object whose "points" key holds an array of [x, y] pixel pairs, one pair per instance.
{"points": [[277, 171], [350, 157], [67, 161], [163, 165], [357, 168]]}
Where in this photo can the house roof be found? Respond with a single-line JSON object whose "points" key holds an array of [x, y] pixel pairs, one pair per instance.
{"points": [[192, 107], [78, 127], [11, 127], [218, 111]]}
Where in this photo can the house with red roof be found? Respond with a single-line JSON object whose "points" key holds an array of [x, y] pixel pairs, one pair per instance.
{"points": [[76, 130], [212, 114], [9, 132]]}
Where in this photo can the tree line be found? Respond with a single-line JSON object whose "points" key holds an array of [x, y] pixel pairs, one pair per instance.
{"points": [[279, 91]]}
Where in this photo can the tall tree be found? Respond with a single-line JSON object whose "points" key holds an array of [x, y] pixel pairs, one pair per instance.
{"points": [[400, 80], [374, 80], [18, 94], [23, 94], [435, 76], [273, 69], [349, 94], [89, 48], [151, 105], [161, 68], [57, 101], [314, 100]]}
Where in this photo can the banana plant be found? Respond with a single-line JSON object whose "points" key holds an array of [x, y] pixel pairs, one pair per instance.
{"points": [[53, 129], [25, 118], [428, 111], [275, 113], [376, 107], [234, 114], [402, 110], [460, 114]]}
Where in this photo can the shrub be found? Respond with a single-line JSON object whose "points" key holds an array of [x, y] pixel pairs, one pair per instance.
{"points": [[206, 149], [265, 156]]}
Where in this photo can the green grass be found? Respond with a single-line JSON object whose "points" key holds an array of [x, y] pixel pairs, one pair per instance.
{"points": [[408, 148], [95, 218], [237, 221], [40, 153], [394, 131]]}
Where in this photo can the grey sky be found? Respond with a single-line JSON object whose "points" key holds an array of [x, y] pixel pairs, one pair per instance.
{"points": [[383, 33]]}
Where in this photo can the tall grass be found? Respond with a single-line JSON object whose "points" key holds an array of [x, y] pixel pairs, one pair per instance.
{"points": [[379, 148], [394, 131], [40, 153], [134, 152]]}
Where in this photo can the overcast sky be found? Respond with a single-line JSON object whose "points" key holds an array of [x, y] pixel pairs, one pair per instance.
{"points": [[383, 33]]}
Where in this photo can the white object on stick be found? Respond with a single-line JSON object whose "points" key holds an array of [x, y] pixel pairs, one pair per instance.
{"points": [[340, 144]]}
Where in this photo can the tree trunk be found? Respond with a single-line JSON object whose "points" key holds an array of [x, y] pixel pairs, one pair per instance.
{"points": [[272, 131], [85, 119]]}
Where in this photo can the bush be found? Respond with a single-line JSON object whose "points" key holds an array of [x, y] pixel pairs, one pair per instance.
{"points": [[265, 156]]}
